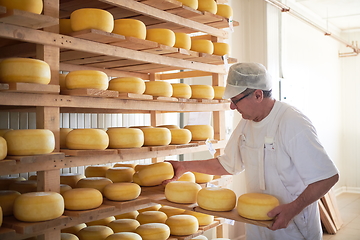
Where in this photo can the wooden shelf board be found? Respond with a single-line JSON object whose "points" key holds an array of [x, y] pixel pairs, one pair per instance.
{"points": [[135, 96], [163, 4], [7, 233], [71, 152], [29, 87], [98, 36], [131, 205], [90, 92], [91, 212]]}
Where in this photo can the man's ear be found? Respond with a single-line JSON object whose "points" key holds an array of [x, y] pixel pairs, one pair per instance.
{"points": [[259, 94]]}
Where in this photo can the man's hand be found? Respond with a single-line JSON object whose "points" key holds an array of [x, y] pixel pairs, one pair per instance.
{"points": [[282, 215], [179, 170]]}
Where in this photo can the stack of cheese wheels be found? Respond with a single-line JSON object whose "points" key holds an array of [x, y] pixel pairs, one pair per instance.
{"points": [[202, 92], [200, 132], [218, 92], [127, 85], [24, 70], [103, 221], [3, 131], [33, 6], [202, 177], [216, 199], [82, 198], [3, 148], [224, 10], [123, 137], [156, 136], [153, 231], [190, 3], [7, 199], [120, 174], [87, 139], [6, 181], [96, 170], [74, 229], [188, 176], [70, 178], [182, 224], [181, 90], [130, 28], [63, 134], [24, 186], [68, 236], [124, 236], [64, 188], [202, 46], [30, 141], [158, 88], [131, 215], [155, 207], [161, 35], [221, 48], [156, 173], [92, 18], [171, 211], [122, 191], [151, 217], [256, 205], [203, 219], [124, 225], [65, 26], [182, 40], [92, 79], [38, 206], [98, 183], [182, 191], [180, 136], [97, 232], [208, 6]]}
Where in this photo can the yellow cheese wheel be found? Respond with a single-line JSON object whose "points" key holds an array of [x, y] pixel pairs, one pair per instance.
{"points": [[96, 170], [182, 224], [224, 10], [207, 5], [218, 92], [30, 141], [24, 186], [221, 49], [130, 28], [182, 40], [34, 6], [190, 3], [74, 229], [120, 174], [140, 166], [103, 221], [87, 139], [171, 211], [202, 46], [156, 136], [158, 88], [151, 217], [98, 183], [122, 137], [182, 191], [70, 178], [256, 205], [64, 188], [124, 236], [202, 177], [181, 90], [200, 132], [65, 26], [24, 70], [188, 176], [38, 206], [216, 199], [131, 215], [63, 134], [127, 85], [62, 81], [3, 131], [161, 35], [6, 181], [180, 136], [202, 92], [153, 231], [68, 236], [136, 179], [132, 165], [92, 18], [155, 207], [203, 219], [169, 126], [156, 173], [95, 233], [92, 79], [122, 191], [3, 148], [124, 225], [82, 198], [7, 199]]}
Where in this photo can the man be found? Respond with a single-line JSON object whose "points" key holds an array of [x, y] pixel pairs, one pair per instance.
{"points": [[278, 148]]}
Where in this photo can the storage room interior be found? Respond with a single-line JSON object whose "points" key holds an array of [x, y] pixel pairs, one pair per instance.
{"points": [[314, 60]]}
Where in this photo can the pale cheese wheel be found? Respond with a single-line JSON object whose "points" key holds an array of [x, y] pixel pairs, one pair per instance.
{"points": [[182, 40], [103, 221], [120, 174], [98, 183], [65, 26], [153, 231], [130, 28], [224, 10], [182, 224], [122, 191], [216, 199], [132, 165], [82, 198], [92, 18], [68, 236], [202, 46], [180, 136], [84, 139], [30, 141], [188, 176], [203, 219], [219, 92], [7, 199], [155, 207], [158, 88], [207, 5], [132, 215], [63, 134], [124, 236], [156, 136], [171, 211], [124, 225], [33, 6], [3, 131], [92, 79], [64, 188], [6, 181], [97, 232], [25, 70], [182, 191], [96, 170], [256, 205], [202, 177], [169, 126], [38, 206], [151, 217], [70, 178], [161, 35], [122, 137], [156, 173], [221, 48], [3, 148], [181, 90], [127, 85], [24, 186], [202, 92], [200, 132], [190, 3], [74, 229]]}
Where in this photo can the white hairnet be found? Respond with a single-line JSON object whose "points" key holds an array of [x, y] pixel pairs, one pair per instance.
{"points": [[246, 75]]}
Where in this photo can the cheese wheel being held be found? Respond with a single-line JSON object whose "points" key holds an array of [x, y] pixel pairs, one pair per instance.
{"points": [[7, 199], [124, 225], [181, 90], [79, 139], [182, 224], [33, 6], [120, 174], [158, 88], [127, 85], [156, 173], [224, 10], [151, 217], [202, 177], [182, 192], [182, 40], [256, 205], [70, 179], [82, 198], [202, 92], [95, 233], [3, 148], [122, 137], [180, 136], [92, 18], [98, 183], [153, 231], [156, 136], [124, 236], [122, 191], [161, 35], [202, 46], [207, 5], [216, 199], [130, 28], [92, 79], [200, 132], [188, 176], [96, 170]]}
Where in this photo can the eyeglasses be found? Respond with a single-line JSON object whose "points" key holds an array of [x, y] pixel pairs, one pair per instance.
{"points": [[238, 100]]}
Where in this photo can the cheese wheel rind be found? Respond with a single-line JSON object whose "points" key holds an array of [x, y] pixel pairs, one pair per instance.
{"points": [[124, 236], [156, 136], [82, 198], [122, 137], [122, 191], [7, 199], [92, 79], [3, 148], [200, 132], [127, 85], [151, 217], [202, 46], [182, 191], [130, 28], [182, 224], [256, 205], [181, 90], [92, 18], [124, 225], [202, 91], [153, 231], [33, 6], [182, 40], [158, 88], [180, 136], [85, 139], [154, 174], [161, 35], [98, 183], [224, 10], [95, 232], [216, 199], [208, 6]]}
